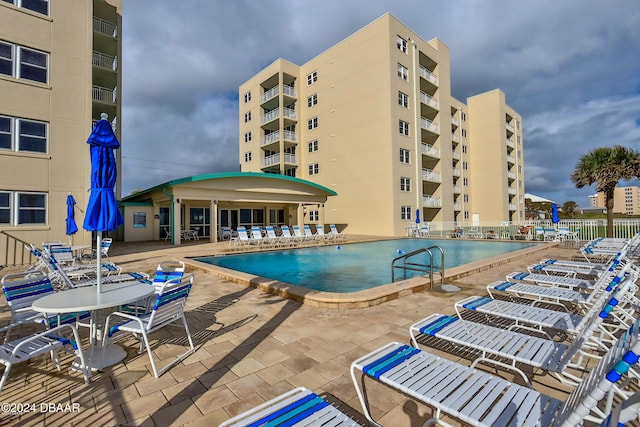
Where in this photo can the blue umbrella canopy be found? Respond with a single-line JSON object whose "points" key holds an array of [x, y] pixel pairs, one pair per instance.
{"points": [[72, 227], [102, 211], [554, 213], [417, 216]]}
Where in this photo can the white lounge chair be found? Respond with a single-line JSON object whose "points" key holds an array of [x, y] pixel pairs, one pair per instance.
{"points": [[480, 399], [309, 235], [334, 231], [256, 236], [300, 237], [322, 235], [286, 232]]}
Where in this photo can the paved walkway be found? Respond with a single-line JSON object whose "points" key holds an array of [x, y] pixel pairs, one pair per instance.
{"points": [[251, 346]]}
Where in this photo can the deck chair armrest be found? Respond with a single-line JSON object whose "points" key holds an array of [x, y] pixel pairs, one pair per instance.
{"points": [[123, 315], [50, 333]]}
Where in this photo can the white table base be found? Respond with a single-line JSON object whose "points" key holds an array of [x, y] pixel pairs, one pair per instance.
{"points": [[98, 357]]}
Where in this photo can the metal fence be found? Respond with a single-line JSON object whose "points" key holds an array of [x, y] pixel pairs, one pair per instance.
{"points": [[13, 251]]}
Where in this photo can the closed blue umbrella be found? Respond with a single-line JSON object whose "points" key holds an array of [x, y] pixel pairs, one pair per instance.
{"points": [[102, 213], [72, 227], [417, 216], [554, 214]]}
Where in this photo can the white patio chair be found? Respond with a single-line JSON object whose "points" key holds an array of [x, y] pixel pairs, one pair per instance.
{"points": [[168, 308], [23, 349], [334, 231]]}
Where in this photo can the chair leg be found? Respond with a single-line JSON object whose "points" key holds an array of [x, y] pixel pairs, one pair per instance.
{"points": [[7, 368]]}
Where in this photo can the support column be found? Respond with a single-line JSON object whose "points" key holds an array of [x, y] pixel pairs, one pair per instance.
{"points": [[300, 215], [213, 218], [177, 220]]}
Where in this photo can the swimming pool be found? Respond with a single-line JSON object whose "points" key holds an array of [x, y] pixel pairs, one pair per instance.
{"points": [[356, 266]]}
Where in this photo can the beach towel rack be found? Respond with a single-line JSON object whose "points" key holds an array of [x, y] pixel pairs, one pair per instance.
{"points": [[403, 262]]}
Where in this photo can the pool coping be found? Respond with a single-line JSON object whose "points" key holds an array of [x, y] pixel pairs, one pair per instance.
{"points": [[359, 299]]}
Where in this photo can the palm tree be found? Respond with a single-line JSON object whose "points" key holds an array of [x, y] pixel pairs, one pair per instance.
{"points": [[607, 166]]}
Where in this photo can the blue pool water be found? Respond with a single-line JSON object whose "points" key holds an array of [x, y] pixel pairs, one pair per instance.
{"points": [[357, 266]]}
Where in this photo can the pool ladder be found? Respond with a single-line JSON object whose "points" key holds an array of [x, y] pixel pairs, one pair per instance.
{"points": [[403, 262]]}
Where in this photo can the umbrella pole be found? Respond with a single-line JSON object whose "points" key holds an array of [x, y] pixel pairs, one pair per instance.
{"points": [[99, 261]]}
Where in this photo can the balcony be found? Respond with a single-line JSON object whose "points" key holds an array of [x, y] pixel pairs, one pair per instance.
{"points": [[510, 143], [428, 76], [431, 176], [455, 172], [510, 128], [454, 121], [429, 101], [511, 191], [104, 95], [105, 27], [275, 91], [275, 160], [431, 202], [429, 150], [511, 159], [455, 155], [512, 207], [275, 137], [457, 189], [457, 207], [272, 115], [511, 175], [428, 125], [455, 138], [105, 61]]}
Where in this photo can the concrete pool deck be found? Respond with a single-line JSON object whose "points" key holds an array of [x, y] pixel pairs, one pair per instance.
{"points": [[251, 346]]}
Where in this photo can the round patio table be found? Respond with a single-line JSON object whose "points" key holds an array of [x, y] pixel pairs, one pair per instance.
{"points": [[88, 299]]}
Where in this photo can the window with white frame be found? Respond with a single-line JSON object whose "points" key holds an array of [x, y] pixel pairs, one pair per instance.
{"points": [[40, 6], [463, 116], [312, 78], [465, 165], [247, 156], [312, 123], [465, 181], [313, 169], [405, 184], [403, 99], [313, 145], [23, 135], [402, 44], [312, 100], [405, 212], [314, 216], [247, 97], [5, 207], [465, 198], [463, 131], [405, 155], [30, 208], [466, 214], [403, 72], [247, 116], [24, 63], [464, 149], [403, 127], [247, 136]]}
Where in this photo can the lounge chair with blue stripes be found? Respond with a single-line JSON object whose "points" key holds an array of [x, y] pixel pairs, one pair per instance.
{"points": [[256, 236], [551, 280], [333, 230], [298, 407], [478, 398], [548, 322], [310, 235], [326, 237], [273, 238], [286, 232], [504, 348], [577, 264], [168, 308]]}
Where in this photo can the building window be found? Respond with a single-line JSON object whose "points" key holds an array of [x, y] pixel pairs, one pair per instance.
{"points": [[405, 184], [464, 149], [312, 78], [23, 135], [402, 44], [403, 127], [313, 145], [5, 207], [290, 172], [313, 169], [466, 214], [32, 136], [30, 64], [465, 198], [465, 181], [314, 216], [247, 156], [463, 116], [312, 100], [247, 136], [31, 208], [247, 116], [465, 165], [403, 72], [247, 97], [405, 212], [403, 99], [40, 6], [404, 156], [312, 123], [463, 131]]}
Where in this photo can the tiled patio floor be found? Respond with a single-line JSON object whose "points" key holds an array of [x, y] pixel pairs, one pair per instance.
{"points": [[251, 346]]}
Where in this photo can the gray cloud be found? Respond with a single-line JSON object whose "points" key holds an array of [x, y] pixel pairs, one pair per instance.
{"points": [[570, 68]]}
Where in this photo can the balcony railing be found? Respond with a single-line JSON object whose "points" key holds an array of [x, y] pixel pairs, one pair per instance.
{"points": [[105, 61], [455, 172], [511, 159], [457, 189], [429, 125], [275, 137], [105, 95], [430, 151], [105, 27], [455, 138], [454, 120], [455, 155], [431, 201], [275, 91], [431, 176], [511, 175], [510, 143], [512, 207], [457, 207], [511, 190], [510, 128], [429, 100], [428, 75], [275, 159]]}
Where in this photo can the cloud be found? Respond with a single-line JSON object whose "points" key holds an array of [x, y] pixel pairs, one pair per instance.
{"points": [[568, 67]]}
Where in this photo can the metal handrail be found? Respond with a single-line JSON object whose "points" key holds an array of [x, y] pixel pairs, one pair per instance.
{"points": [[413, 266], [10, 254]]}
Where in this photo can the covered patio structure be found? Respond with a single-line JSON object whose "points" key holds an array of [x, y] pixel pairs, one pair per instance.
{"points": [[198, 207]]}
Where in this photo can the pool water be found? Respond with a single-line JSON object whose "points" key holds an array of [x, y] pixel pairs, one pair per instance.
{"points": [[356, 266]]}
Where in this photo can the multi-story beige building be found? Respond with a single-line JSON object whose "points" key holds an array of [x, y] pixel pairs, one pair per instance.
{"points": [[373, 119], [59, 70], [626, 200]]}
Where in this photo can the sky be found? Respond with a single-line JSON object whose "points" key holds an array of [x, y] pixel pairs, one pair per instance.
{"points": [[571, 68]]}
